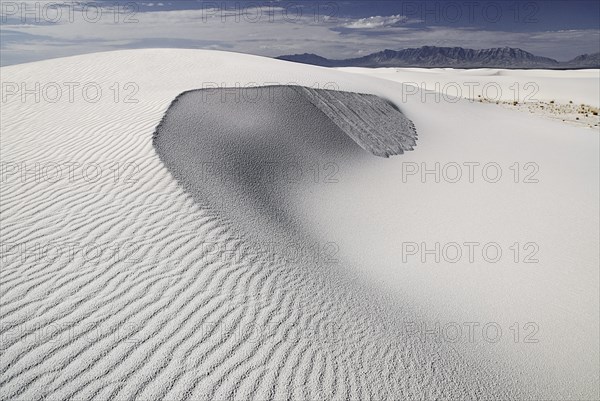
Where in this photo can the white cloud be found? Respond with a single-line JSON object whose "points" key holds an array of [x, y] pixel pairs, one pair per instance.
{"points": [[379, 22]]}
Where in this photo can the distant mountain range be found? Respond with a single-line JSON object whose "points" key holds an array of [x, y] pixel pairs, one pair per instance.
{"points": [[456, 57]]}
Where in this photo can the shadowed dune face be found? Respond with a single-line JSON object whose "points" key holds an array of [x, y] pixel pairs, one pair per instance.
{"points": [[247, 152]]}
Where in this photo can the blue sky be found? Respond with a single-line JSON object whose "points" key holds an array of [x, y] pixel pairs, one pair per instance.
{"points": [[334, 29]]}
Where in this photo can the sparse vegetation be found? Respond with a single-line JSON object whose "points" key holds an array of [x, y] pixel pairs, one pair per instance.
{"points": [[579, 114]]}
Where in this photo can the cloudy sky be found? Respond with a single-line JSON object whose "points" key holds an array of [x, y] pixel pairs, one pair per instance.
{"points": [[36, 30]]}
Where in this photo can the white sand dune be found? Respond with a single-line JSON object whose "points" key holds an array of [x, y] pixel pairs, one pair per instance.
{"points": [[579, 86], [567, 96], [147, 292]]}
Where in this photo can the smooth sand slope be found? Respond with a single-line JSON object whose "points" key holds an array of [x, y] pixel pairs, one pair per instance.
{"points": [[155, 286], [568, 96], [579, 86]]}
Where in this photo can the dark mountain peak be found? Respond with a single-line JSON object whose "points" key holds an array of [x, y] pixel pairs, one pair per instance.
{"points": [[457, 57], [586, 61], [308, 58]]}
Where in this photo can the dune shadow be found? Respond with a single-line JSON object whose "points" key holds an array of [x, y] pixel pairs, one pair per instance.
{"points": [[247, 152]]}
